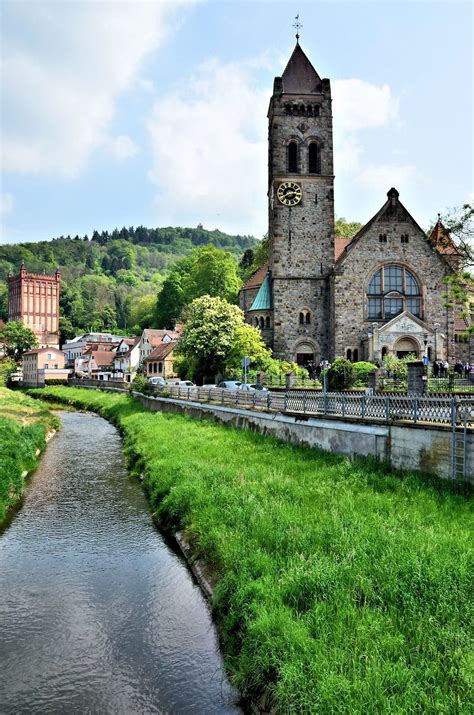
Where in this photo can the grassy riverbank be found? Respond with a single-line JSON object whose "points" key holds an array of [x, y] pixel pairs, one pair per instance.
{"points": [[341, 588], [24, 424]]}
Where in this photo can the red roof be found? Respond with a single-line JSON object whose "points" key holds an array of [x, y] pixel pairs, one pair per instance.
{"points": [[441, 239], [339, 245], [156, 336], [257, 278], [102, 357], [161, 351]]}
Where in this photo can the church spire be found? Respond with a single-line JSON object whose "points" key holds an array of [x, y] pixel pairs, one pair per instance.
{"points": [[299, 76]]}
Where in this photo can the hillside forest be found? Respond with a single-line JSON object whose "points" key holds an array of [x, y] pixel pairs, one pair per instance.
{"points": [[132, 278]]}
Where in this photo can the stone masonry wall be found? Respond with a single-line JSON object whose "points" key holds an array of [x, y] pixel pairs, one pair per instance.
{"points": [[302, 236], [354, 270]]}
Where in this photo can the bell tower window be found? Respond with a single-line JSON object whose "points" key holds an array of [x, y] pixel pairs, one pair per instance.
{"points": [[293, 158], [314, 159]]}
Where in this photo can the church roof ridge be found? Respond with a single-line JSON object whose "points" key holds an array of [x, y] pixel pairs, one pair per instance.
{"points": [[392, 200]]}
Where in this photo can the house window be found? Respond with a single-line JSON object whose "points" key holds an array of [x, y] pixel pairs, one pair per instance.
{"points": [[293, 158], [391, 290], [160, 367], [155, 367], [314, 159], [355, 356]]}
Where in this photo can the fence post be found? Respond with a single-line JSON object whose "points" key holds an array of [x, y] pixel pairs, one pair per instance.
{"points": [[387, 408], [325, 403], [304, 402], [269, 400], [254, 398], [415, 409], [364, 405], [285, 404]]}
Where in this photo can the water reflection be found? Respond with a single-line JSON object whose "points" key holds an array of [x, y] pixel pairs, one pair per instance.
{"points": [[97, 615]]}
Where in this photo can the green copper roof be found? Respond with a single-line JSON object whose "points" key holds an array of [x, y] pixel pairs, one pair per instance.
{"points": [[263, 299]]}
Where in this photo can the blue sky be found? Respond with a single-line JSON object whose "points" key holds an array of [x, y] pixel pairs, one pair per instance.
{"points": [[154, 113]]}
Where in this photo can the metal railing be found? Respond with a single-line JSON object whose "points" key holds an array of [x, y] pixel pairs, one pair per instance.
{"points": [[440, 410]]}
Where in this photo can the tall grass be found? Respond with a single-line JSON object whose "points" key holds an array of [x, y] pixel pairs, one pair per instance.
{"points": [[23, 427], [341, 587]]}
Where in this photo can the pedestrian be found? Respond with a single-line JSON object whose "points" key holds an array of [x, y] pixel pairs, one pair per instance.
{"points": [[435, 369], [445, 368]]}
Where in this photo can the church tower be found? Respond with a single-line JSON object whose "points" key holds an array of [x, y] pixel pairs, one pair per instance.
{"points": [[301, 211]]}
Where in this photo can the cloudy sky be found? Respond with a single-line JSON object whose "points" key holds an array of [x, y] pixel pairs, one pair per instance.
{"points": [[154, 113]]}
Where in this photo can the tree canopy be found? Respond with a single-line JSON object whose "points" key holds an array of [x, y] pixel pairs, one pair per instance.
{"points": [[16, 338]]}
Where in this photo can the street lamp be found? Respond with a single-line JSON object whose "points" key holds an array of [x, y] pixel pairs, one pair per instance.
{"points": [[436, 327]]}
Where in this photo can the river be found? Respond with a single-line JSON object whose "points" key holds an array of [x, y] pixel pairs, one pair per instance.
{"points": [[97, 613]]}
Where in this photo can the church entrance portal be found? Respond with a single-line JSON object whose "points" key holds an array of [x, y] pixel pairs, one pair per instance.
{"points": [[406, 346]]}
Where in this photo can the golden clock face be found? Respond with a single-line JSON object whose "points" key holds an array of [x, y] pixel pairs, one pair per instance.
{"points": [[289, 193]]}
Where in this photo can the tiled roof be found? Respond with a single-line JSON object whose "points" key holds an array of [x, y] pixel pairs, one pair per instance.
{"points": [[256, 278], [339, 245], [263, 299], [156, 336], [160, 352], [441, 239], [103, 357], [299, 76]]}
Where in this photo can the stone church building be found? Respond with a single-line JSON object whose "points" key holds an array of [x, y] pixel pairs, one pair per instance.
{"points": [[322, 297]]}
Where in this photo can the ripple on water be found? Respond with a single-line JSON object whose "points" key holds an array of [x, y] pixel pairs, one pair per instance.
{"points": [[97, 615]]}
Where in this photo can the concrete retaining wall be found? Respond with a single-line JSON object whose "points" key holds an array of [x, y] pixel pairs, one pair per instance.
{"points": [[407, 446]]}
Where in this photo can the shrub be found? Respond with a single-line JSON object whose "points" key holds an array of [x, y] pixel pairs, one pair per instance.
{"points": [[340, 374], [361, 371], [141, 384]]}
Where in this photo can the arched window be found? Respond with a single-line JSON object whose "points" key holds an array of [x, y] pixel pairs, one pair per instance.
{"points": [[305, 317], [314, 159], [293, 157], [255, 322], [349, 354], [355, 355], [160, 367], [262, 323], [391, 290], [267, 321]]}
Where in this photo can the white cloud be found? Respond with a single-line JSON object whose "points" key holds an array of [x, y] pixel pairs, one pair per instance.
{"points": [[62, 74], [7, 203], [209, 149], [121, 147]]}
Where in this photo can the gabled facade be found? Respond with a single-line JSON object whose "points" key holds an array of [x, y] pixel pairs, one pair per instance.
{"points": [[151, 339]]}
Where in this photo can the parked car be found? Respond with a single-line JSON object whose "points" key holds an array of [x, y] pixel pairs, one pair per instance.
{"points": [[209, 385], [181, 383], [254, 387], [157, 381], [229, 384]]}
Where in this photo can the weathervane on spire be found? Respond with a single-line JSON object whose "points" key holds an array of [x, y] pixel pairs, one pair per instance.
{"points": [[297, 25]]}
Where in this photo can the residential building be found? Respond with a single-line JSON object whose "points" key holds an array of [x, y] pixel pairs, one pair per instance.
{"points": [[42, 365], [151, 339], [159, 363]]}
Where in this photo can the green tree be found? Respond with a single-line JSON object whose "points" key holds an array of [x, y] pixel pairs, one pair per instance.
{"points": [[16, 338], [7, 367], [66, 330], [346, 229], [213, 272], [170, 301], [208, 338]]}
